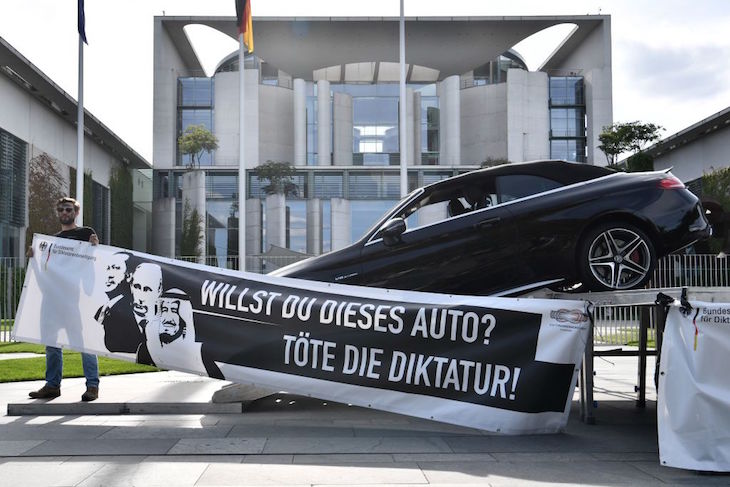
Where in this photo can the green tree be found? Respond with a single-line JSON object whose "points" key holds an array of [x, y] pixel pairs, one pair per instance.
{"points": [[494, 161], [45, 187], [279, 175], [196, 140], [121, 207], [192, 228], [626, 136]]}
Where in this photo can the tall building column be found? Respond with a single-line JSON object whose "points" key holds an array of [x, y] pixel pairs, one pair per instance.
{"points": [[324, 124], [193, 196], [342, 128], [300, 122], [253, 232], [163, 227], [416, 122], [314, 226], [341, 224], [410, 127], [450, 121], [276, 220]]}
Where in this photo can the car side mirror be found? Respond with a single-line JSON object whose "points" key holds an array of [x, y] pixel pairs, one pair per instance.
{"points": [[392, 230]]}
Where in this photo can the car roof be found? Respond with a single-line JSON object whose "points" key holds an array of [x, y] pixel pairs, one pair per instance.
{"points": [[563, 172]]}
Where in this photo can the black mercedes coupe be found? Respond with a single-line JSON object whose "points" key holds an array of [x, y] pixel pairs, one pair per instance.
{"points": [[512, 228]]}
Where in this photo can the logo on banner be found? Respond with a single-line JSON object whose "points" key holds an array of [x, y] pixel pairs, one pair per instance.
{"points": [[574, 316]]}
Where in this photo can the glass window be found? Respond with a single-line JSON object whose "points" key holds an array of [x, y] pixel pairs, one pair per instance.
{"points": [[364, 214], [567, 122], [566, 90], [568, 149], [13, 153], [328, 185], [515, 186], [296, 228], [373, 185]]}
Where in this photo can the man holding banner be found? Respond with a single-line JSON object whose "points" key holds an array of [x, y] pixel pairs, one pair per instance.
{"points": [[68, 209]]}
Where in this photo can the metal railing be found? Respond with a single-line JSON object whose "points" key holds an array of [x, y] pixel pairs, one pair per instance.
{"points": [[614, 325]]}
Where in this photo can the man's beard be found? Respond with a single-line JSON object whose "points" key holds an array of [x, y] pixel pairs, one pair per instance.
{"points": [[167, 338]]}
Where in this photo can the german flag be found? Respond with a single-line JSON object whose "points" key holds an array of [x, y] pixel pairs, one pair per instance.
{"points": [[243, 20]]}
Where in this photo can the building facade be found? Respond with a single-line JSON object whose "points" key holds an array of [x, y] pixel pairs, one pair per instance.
{"points": [[38, 155], [322, 94]]}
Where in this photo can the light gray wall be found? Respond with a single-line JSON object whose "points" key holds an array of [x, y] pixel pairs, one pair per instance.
{"points": [[168, 66], [450, 121], [699, 157], [276, 124], [483, 123], [528, 116], [225, 118], [342, 128], [163, 230]]}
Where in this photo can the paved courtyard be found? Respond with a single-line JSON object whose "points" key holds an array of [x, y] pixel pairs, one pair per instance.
{"points": [[292, 440]]}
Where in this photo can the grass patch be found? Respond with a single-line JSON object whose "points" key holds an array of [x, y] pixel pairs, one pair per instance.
{"points": [[34, 368], [6, 325], [14, 347]]}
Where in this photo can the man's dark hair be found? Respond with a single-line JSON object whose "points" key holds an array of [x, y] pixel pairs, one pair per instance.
{"points": [[68, 199]]}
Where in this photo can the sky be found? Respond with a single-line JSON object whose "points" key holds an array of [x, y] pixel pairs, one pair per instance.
{"points": [[671, 58]]}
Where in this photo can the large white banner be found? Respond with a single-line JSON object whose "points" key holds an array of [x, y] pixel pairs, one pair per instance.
{"points": [[694, 388], [503, 365]]}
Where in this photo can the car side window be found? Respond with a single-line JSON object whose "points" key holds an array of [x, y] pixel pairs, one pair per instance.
{"points": [[515, 186]]}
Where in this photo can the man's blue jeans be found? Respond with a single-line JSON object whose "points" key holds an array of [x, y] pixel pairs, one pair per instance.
{"points": [[54, 367]]}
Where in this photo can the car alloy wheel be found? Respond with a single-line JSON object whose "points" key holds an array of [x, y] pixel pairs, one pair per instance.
{"points": [[619, 256]]}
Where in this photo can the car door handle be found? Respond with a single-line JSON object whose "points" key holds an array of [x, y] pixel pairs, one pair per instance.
{"points": [[489, 222]]}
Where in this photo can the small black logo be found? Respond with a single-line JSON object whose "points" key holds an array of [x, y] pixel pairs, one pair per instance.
{"points": [[43, 246]]}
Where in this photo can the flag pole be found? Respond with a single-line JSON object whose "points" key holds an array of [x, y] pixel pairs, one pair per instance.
{"points": [[80, 137], [403, 112], [241, 159]]}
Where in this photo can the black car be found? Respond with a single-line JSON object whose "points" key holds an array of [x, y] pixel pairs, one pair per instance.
{"points": [[516, 227]]}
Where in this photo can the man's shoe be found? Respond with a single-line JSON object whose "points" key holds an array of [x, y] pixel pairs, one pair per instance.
{"points": [[91, 394], [46, 392]]}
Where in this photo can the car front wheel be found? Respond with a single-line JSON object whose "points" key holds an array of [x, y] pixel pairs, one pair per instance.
{"points": [[616, 256]]}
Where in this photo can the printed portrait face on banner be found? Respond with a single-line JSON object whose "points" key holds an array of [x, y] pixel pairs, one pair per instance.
{"points": [[115, 271], [146, 288]]}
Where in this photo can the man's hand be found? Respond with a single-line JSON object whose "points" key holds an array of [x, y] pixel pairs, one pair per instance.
{"points": [[29, 253], [94, 240]]}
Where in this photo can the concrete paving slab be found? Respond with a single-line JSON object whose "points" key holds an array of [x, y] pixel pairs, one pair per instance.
{"points": [[537, 473], [144, 431], [443, 457], [301, 430], [342, 459], [253, 474], [195, 458], [51, 432], [109, 408], [11, 448], [356, 445], [146, 474], [269, 459], [214, 446], [102, 447], [15, 355], [680, 476], [45, 473]]}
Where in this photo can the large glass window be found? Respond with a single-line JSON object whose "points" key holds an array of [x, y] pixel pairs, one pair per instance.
{"points": [[296, 225], [13, 154], [100, 213], [364, 214], [566, 90], [567, 118], [195, 107], [373, 185]]}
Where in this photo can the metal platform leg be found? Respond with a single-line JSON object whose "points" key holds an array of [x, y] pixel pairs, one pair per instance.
{"points": [[644, 322], [586, 382]]}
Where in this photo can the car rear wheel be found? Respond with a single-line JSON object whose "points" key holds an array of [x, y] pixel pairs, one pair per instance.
{"points": [[616, 256]]}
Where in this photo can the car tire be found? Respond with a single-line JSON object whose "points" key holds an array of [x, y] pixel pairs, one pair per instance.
{"points": [[616, 256]]}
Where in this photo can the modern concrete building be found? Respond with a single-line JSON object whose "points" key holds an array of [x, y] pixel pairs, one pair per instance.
{"points": [[322, 94], [38, 123], [699, 149]]}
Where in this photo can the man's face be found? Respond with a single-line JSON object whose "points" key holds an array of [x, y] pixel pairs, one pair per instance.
{"points": [[66, 213], [146, 287], [115, 271], [169, 320]]}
